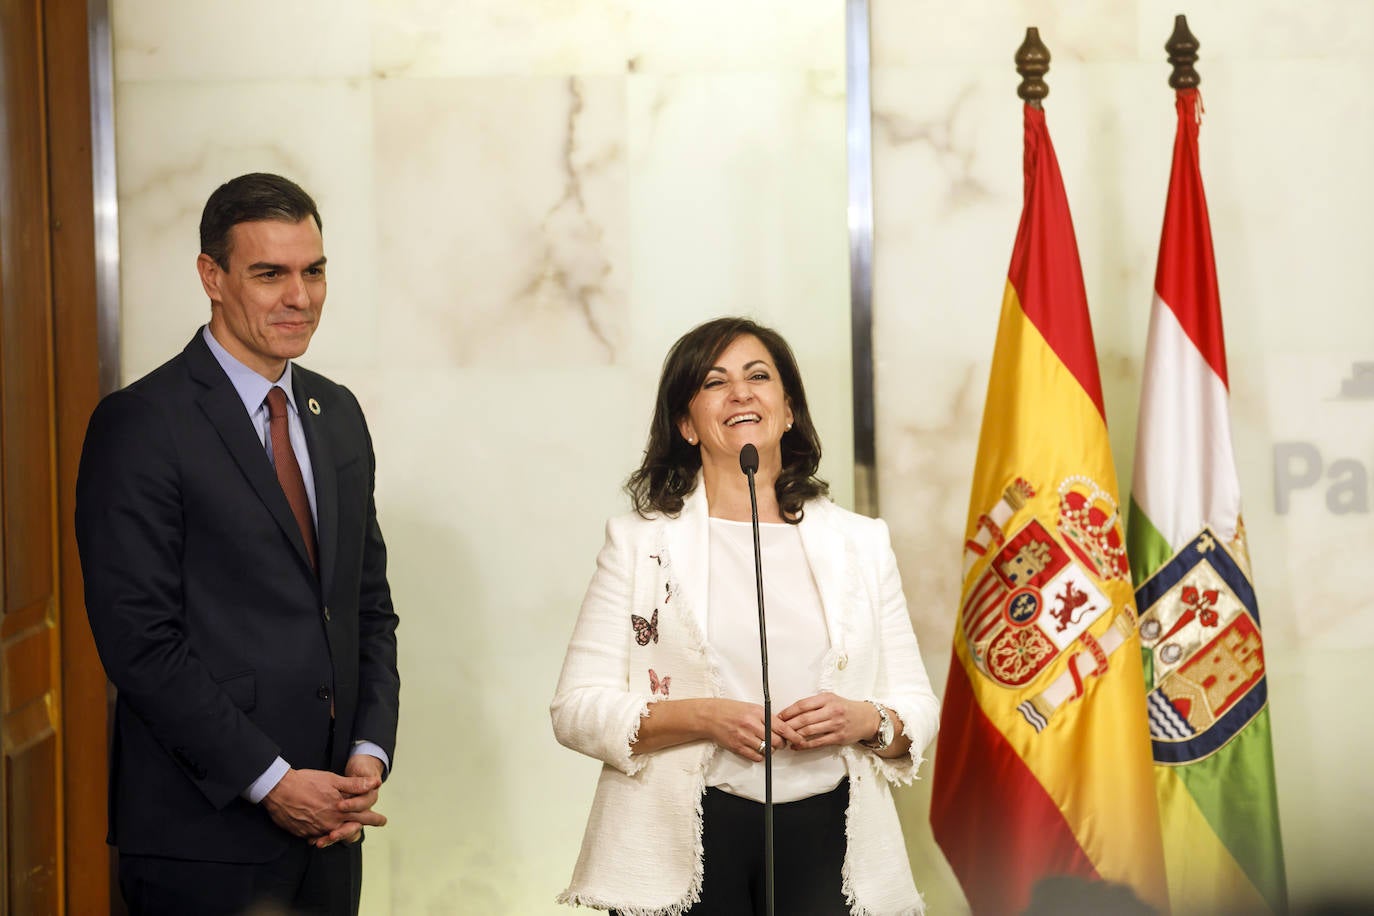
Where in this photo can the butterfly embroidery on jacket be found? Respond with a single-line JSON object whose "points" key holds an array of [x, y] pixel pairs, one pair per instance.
{"points": [[645, 630], [657, 685]]}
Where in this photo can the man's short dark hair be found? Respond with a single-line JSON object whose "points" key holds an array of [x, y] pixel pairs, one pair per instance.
{"points": [[255, 196]]}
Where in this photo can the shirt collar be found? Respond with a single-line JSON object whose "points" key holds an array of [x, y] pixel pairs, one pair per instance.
{"points": [[251, 387]]}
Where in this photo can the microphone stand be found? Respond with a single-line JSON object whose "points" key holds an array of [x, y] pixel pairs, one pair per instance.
{"points": [[749, 464]]}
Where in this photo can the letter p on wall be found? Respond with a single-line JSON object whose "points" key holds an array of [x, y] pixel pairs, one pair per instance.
{"points": [[1299, 465]]}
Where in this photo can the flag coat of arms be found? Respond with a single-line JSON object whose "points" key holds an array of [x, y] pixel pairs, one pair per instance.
{"points": [[1199, 621], [1043, 764]]}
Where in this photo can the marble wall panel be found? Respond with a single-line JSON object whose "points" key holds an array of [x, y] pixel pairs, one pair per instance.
{"points": [[1311, 454], [1321, 763], [1263, 31], [492, 488], [716, 36], [166, 40], [502, 205], [909, 33], [738, 207], [434, 38], [193, 137], [429, 38]]}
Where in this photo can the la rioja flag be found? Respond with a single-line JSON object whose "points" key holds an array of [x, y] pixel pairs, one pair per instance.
{"points": [[1199, 620]]}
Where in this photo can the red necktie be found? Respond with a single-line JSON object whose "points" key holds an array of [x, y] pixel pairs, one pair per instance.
{"points": [[289, 470]]}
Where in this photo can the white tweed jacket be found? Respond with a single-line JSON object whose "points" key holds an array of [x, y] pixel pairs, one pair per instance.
{"points": [[640, 637]]}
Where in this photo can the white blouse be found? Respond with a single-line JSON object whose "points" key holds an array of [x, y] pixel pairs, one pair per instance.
{"points": [[797, 644]]}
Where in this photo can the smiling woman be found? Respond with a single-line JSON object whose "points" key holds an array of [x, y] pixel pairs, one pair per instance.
{"points": [[741, 402], [695, 374], [676, 818]]}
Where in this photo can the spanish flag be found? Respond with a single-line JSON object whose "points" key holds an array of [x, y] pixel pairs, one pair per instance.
{"points": [[1043, 766], [1199, 620]]}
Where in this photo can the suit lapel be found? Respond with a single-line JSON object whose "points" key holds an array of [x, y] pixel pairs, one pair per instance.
{"points": [[322, 466], [222, 407]]}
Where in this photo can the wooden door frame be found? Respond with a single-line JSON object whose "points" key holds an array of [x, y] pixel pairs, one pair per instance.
{"points": [[63, 41], [72, 149]]}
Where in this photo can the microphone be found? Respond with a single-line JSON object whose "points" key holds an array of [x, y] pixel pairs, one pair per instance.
{"points": [[749, 464]]}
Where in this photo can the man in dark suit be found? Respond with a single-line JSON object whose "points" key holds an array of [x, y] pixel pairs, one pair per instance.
{"points": [[236, 586]]}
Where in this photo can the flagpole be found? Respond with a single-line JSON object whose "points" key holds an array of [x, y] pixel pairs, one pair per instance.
{"points": [[1186, 527], [1033, 62]]}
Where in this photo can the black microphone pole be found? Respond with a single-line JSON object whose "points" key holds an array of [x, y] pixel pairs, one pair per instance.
{"points": [[749, 464]]}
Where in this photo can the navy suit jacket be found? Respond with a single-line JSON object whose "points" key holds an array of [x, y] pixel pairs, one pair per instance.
{"points": [[226, 648]]}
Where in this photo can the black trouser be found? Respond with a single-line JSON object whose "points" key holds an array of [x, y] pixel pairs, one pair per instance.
{"points": [[302, 880], [808, 855]]}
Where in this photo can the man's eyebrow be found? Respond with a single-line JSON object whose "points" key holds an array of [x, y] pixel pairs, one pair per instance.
{"points": [[281, 268]]}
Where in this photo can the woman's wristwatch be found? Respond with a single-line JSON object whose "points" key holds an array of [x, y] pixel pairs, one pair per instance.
{"points": [[883, 738]]}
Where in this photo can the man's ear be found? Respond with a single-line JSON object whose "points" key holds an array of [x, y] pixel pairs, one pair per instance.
{"points": [[210, 276]]}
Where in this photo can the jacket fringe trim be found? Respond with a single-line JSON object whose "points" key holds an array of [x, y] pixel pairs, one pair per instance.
{"points": [[638, 762], [678, 907], [597, 903]]}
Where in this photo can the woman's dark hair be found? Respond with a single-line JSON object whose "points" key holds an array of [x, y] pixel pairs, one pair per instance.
{"points": [[246, 199], [669, 469]]}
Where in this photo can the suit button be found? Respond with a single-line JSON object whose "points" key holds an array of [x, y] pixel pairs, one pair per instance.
{"points": [[326, 614], [322, 693], [843, 662]]}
